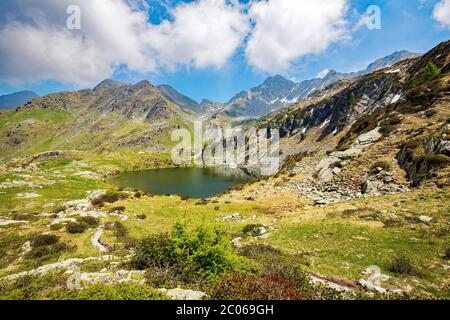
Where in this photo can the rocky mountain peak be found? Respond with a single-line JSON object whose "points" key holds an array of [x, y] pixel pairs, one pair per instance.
{"points": [[110, 84], [278, 81]]}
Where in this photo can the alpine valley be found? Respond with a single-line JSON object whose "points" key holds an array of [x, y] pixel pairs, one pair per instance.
{"points": [[360, 208]]}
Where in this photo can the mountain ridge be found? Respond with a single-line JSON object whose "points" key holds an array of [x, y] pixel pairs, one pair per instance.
{"points": [[277, 92], [15, 99]]}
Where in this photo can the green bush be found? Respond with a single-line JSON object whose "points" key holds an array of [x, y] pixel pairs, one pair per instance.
{"points": [[257, 250], [76, 227], [430, 72], [402, 264], [200, 253], [26, 217], [56, 226], [114, 209], [162, 277], [47, 252], [109, 197], [43, 240], [90, 221]]}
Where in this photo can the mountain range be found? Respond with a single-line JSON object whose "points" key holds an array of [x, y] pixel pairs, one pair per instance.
{"points": [[273, 94], [14, 100], [277, 92]]}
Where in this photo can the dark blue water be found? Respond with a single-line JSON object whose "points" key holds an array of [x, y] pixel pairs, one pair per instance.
{"points": [[192, 182]]}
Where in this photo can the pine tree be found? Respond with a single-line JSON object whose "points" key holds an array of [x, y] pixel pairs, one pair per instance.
{"points": [[430, 72]]}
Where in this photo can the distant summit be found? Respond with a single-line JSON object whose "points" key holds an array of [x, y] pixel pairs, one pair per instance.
{"points": [[16, 99], [278, 92], [391, 59], [110, 84]]}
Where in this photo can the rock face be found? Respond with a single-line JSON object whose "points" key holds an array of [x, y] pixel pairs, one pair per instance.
{"points": [[326, 169], [381, 183], [421, 158]]}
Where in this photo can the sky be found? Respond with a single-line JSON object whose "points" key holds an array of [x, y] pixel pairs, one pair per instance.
{"points": [[204, 48]]}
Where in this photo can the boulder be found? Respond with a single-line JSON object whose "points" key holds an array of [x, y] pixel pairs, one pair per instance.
{"points": [[181, 294]]}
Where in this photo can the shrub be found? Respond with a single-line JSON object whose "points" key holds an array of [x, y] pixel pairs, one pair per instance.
{"points": [[386, 166], [118, 228], [430, 71], [447, 253], [353, 99], [202, 202], [200, 253], [43, 240], [115, 209], [252, 229], [242, 287], [109, 197], [154, 251], [402, 264], [46, 252], [256, 250], [56, 226], [25, 217], [76, 227], [161, 277], [141, 216], [90, 221], [302, 136]]}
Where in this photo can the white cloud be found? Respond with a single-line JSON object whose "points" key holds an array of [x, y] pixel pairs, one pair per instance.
{"points": [[35, 45], [203, 33], [442, 13], [286, 30]]}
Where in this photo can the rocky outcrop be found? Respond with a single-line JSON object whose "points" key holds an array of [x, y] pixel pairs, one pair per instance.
{"points": [[329, 166], [65, 264], [181, 294], [421, 159], [381, 182]]}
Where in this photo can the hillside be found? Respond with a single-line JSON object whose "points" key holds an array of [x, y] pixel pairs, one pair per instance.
{"points": [[114, 115]]}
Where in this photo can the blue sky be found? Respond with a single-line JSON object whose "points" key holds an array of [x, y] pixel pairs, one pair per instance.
{"points": [[406, 24]]}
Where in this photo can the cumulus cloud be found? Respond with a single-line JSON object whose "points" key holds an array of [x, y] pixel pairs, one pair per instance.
{"points": [[35, 44], [442, 13], [203, 33], [285, 30]]}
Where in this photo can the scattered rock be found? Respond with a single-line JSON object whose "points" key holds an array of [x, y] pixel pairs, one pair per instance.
{"points": [[65, 264], [27, 195], [181, 294], [230, 217], [425, 219], [4, 222], [95, 241], [237, 242]]}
